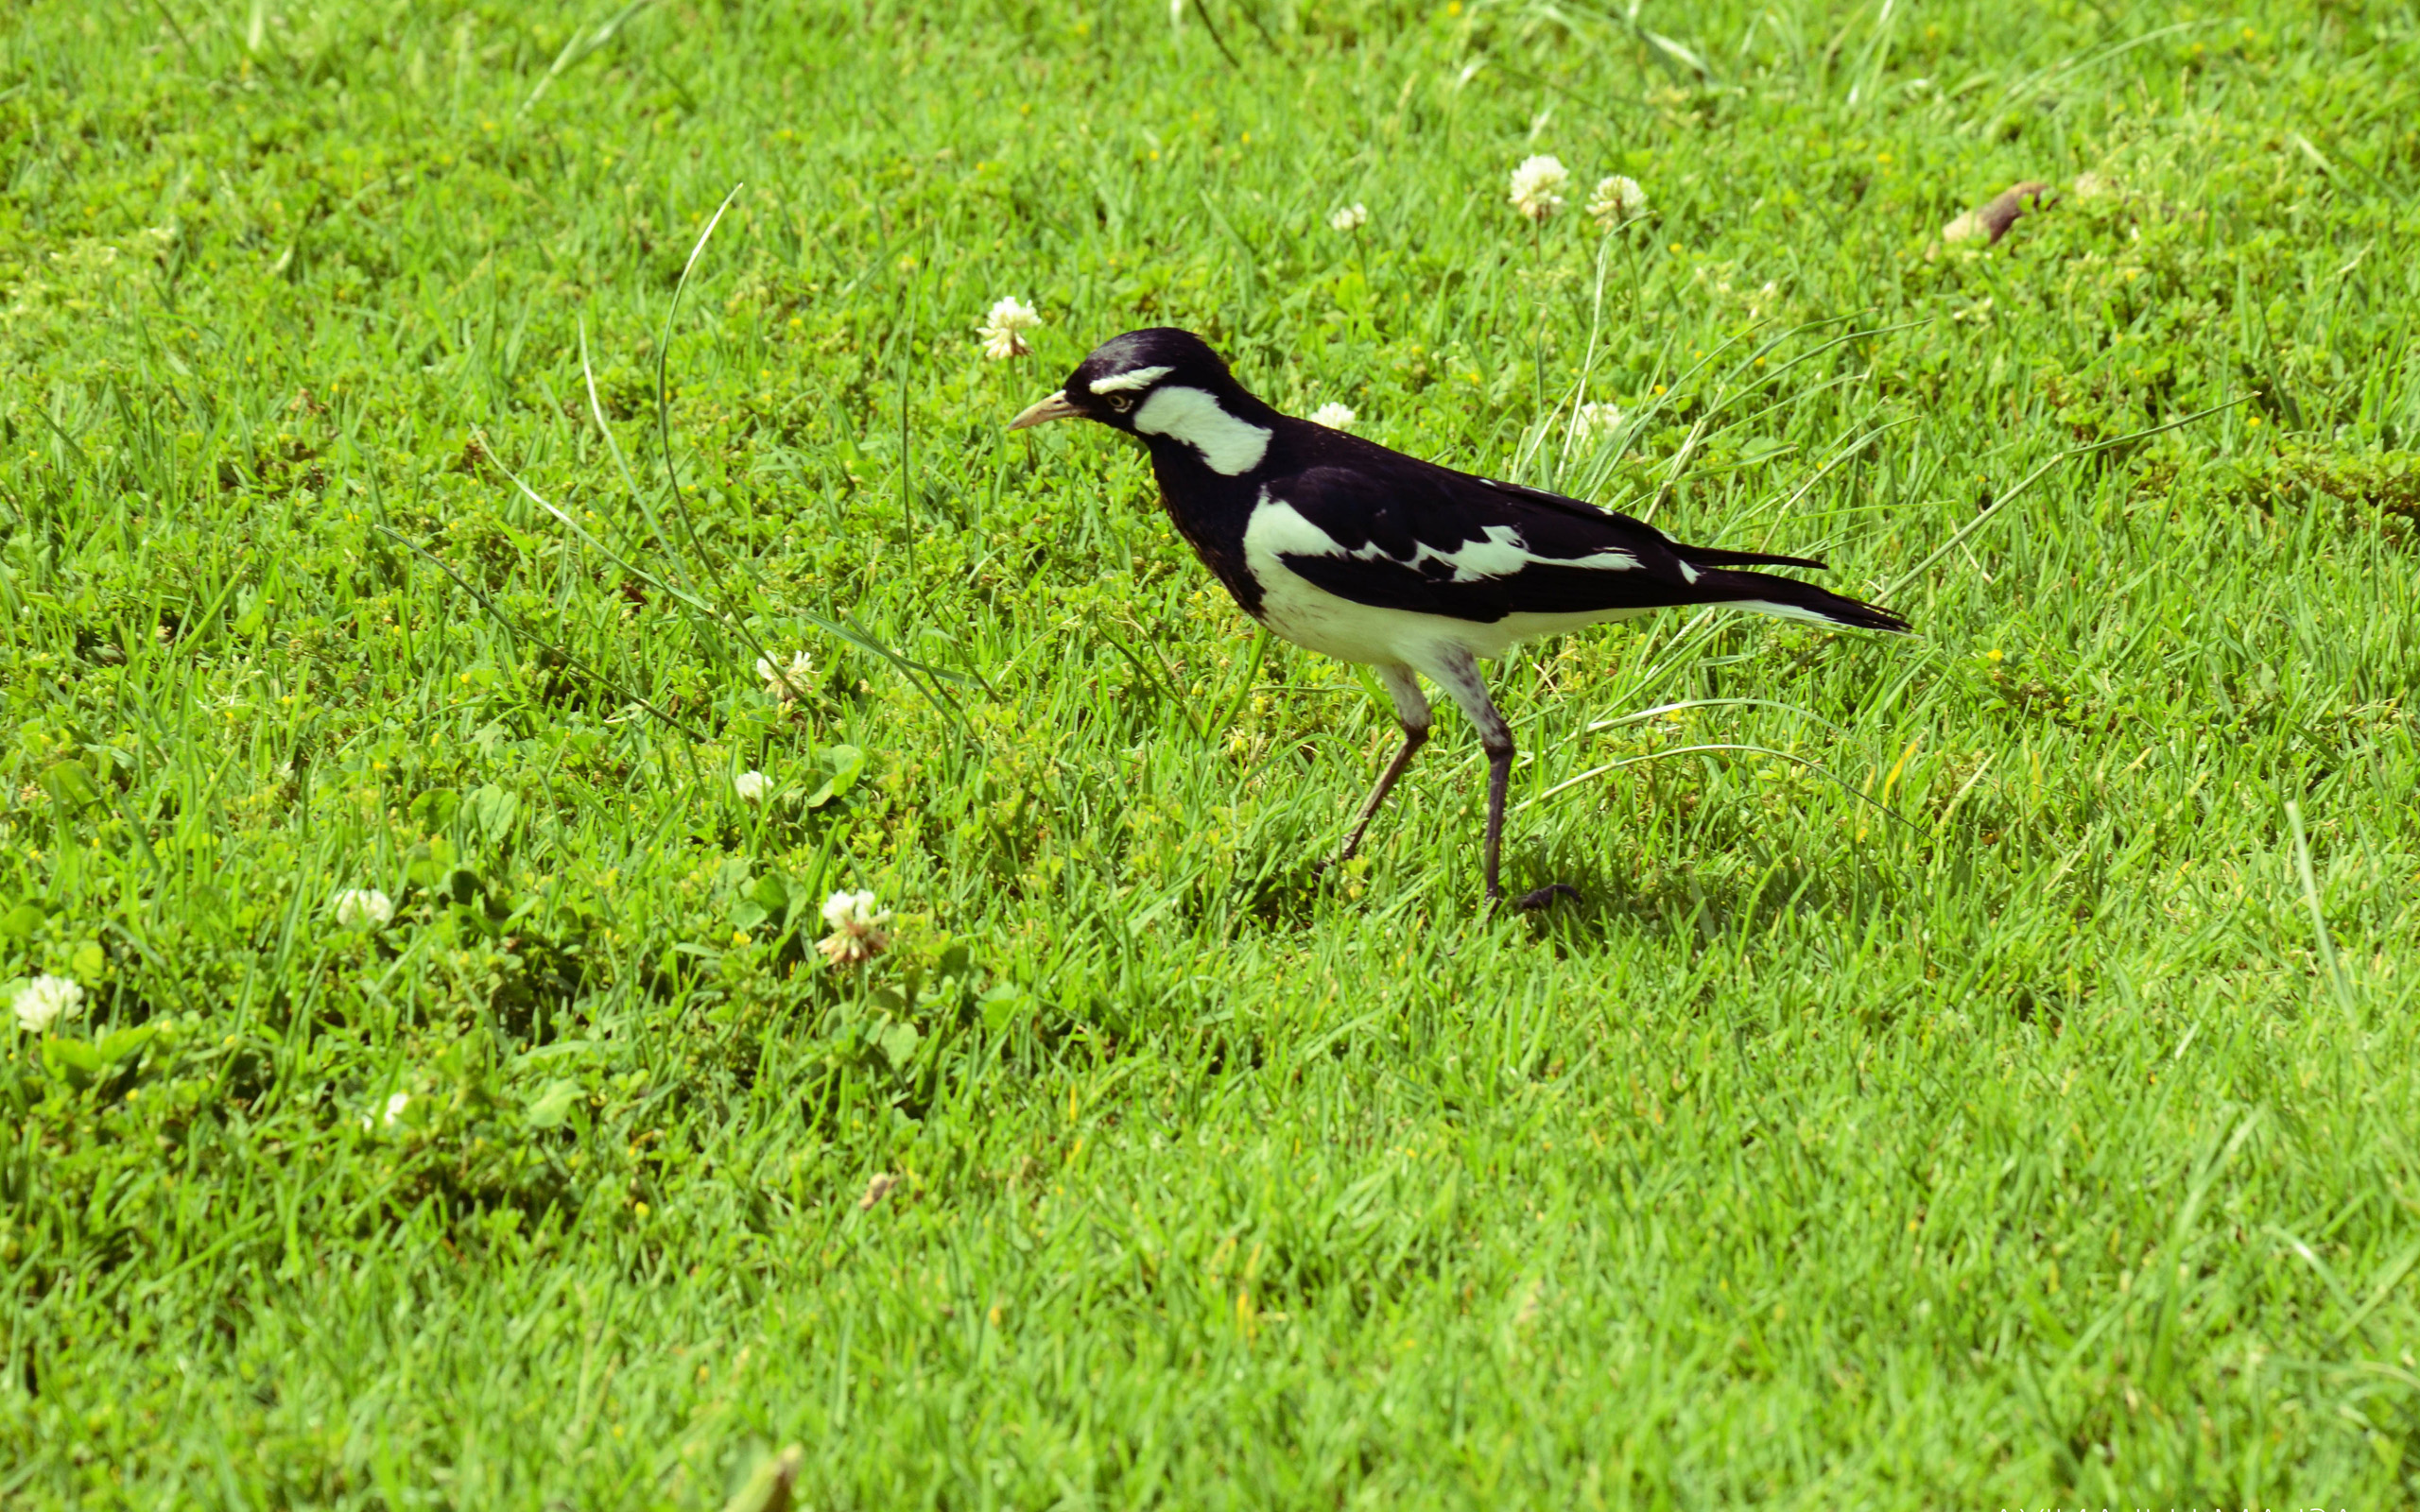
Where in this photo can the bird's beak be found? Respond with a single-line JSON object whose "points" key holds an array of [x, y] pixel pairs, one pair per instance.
{"points": [[1054, 407]]}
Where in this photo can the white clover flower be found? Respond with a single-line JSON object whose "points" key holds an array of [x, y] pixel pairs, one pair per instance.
{"points": [[752, 786], [1618, 199], [357, 906], [857, 929], [45, 999], [789, 680], [1599, 419], [1351, 219], [391, 1114], [1333, 415], [1537, 187], [844, 910], [1003, 329]]}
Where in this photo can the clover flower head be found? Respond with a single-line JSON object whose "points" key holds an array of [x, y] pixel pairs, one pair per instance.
{"points": [[1351, 219], [357, 906], [1618, 198], [45, 999], [787, 681], [857, 925], [1003, 329], [1333, 415], [1600, 420], [752, 786], [1537, 187], [390, 1114]]}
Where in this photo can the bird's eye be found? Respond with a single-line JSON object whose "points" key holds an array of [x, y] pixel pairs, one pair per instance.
{"points": [[1121, 402]]}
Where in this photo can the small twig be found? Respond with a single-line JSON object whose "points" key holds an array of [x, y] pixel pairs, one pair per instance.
{"points": [[1252, 13], [1202, 8]]}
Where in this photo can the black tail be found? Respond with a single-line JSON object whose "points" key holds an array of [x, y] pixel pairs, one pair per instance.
{"points": [[1793, 600], [1717, 557]]}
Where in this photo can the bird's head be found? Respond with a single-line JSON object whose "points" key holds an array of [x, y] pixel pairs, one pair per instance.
{"points": [[1165, 386]]}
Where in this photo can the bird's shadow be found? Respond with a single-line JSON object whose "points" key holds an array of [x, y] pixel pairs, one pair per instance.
{"points": [[1709, 895], [1700, 896], [1288, 894]]}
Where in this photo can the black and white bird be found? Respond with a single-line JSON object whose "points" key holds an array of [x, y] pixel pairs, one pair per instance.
{"points": [[1346, 548]]}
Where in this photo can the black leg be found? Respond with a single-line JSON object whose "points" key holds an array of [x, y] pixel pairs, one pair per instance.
{"points": [[1412, 712], [1414, 736], [1461, 678], [1499, 775]]}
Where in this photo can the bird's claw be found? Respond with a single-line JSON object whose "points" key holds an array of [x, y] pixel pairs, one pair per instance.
{"points": [[1546, 895]]}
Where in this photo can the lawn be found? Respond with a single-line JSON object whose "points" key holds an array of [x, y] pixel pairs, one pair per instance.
{"points": [[1981, 1070]]}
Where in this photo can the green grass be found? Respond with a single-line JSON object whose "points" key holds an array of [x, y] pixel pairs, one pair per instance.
{"points": [[2047, 1143]]}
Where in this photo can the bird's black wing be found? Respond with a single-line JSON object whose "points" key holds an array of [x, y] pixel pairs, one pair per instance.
{"points": [[1694, 556], [1395, 533]]}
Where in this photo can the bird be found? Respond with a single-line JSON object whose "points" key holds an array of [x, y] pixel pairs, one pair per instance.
{"points": [[1347, 548]]}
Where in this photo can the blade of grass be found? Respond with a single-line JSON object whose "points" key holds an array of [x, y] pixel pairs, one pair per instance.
{"points": [[2036, 475], [515, 627], [1686, 750]]}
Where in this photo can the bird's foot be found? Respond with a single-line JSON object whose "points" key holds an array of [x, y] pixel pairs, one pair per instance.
{"points": [[1546, 895]]}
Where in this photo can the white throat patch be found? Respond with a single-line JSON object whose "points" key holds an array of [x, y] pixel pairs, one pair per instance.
{"points": [[1192, 416], [1131, 379]]}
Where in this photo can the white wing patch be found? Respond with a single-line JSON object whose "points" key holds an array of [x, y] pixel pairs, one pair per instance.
{"points": [[1280, 529], [1192, 416], [1131, 379], [1785, 611]]}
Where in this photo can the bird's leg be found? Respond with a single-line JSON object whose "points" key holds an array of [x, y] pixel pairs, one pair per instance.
{"points": [[1459, 678], [1414, 736], [1499, 776], [1412, 712]]}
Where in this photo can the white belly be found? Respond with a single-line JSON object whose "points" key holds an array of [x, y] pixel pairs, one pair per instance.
{"points": [[1297, 609]]}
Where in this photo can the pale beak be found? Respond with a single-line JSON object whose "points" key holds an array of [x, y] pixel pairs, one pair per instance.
{"points": [[1054, 407]]}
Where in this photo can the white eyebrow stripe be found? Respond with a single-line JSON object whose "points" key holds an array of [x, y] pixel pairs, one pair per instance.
{"points": [[1131, 378]]}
